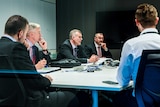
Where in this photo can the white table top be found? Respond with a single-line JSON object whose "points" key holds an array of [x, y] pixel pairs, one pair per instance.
{"points": [[86, 80]]}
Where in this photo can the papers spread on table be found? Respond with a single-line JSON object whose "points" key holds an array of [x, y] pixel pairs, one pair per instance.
{"points": [[102, 60], [91, 67], [48, 70]]}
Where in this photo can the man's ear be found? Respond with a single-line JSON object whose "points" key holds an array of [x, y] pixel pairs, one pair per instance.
{"points": [[157, 19], [20, 34], [137, 22], [139, 26]]}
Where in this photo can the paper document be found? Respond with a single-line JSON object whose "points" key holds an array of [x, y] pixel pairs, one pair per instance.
{"points": [[48, 70], [102, 60]]}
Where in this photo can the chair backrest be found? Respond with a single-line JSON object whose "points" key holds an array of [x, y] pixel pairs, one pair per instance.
{"points": [[12, 93], [147, 87]]}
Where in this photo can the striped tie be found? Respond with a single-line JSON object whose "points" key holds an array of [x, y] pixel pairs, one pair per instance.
{"points": [[99, 52], [75, 52], [34, 54]]}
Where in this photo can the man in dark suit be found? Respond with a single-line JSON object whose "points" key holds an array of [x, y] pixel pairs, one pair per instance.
{"points": [[72, 48], [39, 58], [98, 47], [12, 44]]}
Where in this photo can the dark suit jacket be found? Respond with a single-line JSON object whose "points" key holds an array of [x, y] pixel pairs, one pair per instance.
{"points": [[34, 83], [40, 55], [66, 51], [91, 49]]}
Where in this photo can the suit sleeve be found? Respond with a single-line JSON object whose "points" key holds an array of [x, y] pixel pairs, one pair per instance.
{"points": [[82, 56], [89, 51], [40, 55], [22, 62], [45, 56], [66, 52], [107, 54]]}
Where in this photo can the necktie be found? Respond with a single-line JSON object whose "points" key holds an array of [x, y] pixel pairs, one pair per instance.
{"points": [[75, 52], [99, 52], [33, 54]]}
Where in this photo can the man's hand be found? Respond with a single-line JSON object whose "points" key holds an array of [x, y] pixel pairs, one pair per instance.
{"points": [[93, 58], [43, 44], [41, 64], [103, 45], [49, 77]]}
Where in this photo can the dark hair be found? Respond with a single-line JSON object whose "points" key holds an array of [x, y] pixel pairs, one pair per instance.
{"points": [[14, 24], [146, 14]]}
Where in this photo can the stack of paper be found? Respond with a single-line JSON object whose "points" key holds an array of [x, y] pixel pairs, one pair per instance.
{"points": [[48, 70]]}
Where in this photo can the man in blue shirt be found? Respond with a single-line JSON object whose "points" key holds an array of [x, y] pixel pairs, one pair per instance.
{"points": [[146, 19]]}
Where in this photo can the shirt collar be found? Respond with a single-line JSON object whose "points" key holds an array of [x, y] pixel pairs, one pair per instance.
{"points": [[149, 30], [30, 43], [73, 46], [10, 37], [96, 45]]}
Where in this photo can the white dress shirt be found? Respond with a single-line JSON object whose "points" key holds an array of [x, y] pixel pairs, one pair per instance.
{"points": [[131, 54], [98, 49]]}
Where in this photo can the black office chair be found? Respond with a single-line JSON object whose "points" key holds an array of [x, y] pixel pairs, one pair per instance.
{"points": [[147, 87], [12, 93]]}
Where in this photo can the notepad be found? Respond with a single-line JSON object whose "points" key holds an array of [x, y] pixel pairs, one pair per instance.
{"points": [[48, 70]]}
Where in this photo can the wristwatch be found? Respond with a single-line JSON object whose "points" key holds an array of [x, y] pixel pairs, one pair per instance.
{"points": [[45, 51]]}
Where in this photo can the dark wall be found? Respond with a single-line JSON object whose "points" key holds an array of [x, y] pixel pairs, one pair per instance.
{"points": [[81, 14]]}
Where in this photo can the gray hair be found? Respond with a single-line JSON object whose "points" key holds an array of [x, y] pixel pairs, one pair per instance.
{"points": [[32, 26], [73, 31]]}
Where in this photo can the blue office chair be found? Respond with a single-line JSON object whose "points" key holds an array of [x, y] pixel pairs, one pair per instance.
{"points": [[12, 93], [147, 87]]}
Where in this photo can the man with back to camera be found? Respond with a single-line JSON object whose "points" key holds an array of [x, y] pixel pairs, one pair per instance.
{"points": [[98, 47], [146, 19], [71, 48], [39, 58], [12, 44]]}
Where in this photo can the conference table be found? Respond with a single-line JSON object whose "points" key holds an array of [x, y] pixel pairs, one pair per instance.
{"points": [[81, 79]]}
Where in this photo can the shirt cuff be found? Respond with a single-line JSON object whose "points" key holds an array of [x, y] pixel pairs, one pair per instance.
{"points": [[45, 52], [106, 49]]}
